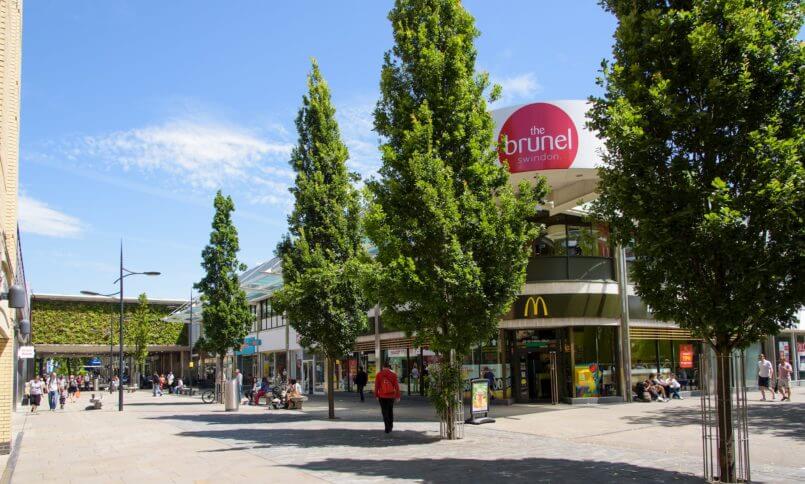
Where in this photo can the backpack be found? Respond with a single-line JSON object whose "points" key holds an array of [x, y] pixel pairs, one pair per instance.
{"points": [[387, 387]]}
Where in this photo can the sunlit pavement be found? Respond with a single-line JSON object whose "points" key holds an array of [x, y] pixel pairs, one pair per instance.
{"points": [[180, 439]]}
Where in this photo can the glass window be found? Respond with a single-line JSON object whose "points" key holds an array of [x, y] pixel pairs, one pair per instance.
{"points": [[594, 368], [552, 242], [644, 359]]}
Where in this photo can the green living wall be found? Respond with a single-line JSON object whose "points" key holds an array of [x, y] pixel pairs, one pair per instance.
{"points": [[77, 322]]}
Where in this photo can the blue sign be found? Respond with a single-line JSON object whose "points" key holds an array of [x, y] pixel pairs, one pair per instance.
{"points": [[249, 346], [94, 362]]}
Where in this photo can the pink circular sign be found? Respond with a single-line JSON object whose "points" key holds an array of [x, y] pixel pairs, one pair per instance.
{"points": [[538, 136]]}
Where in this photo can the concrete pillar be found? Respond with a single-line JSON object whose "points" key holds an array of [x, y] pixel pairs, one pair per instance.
{"points": [[378, 363], [624, 344]]}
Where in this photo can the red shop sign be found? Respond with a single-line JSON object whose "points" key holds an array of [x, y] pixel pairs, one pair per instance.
{"points": [[686, 356]]}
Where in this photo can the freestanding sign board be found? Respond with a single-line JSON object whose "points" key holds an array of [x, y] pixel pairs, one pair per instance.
{"points": [[25, 352], [479, 395]]}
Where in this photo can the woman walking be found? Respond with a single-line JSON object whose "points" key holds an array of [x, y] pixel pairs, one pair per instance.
{"points": [[37, 387], [53, 391]]}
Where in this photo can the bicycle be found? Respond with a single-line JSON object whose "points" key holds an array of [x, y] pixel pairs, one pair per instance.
{"points": [[211, 395]]}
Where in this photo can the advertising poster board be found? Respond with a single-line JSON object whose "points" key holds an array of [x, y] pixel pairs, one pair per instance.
{"points": [[585, 380], [784, 350], [480, 396], [686, 356], [801, 352]]}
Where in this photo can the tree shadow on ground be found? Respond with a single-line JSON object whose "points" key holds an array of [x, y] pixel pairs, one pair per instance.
{"points": [[527, 470], [230, 418], [783, 419], [309, 438]]}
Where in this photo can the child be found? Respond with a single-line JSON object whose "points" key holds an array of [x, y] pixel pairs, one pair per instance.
{"points": [[62, 397]]}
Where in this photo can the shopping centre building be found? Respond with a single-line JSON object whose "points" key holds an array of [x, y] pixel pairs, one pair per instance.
{"points": [[577, 326]]}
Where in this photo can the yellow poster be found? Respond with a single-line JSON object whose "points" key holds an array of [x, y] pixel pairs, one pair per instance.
{"points": [[585, 380]]}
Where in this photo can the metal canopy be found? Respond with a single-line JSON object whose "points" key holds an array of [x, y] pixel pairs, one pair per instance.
{"points": [[258, 282]]}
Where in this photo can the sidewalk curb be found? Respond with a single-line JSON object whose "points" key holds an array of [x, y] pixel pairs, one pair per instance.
{"points": [[8, 472]]}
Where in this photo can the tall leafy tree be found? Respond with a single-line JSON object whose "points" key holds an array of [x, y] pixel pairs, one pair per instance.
{"points": [[703, 119], [139, 327], [452, 235], [323, 258], [225, 311]]}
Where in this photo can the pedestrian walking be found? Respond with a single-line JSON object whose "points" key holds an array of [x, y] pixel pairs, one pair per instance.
{"points": [[53, 391], [765, 372], [361, 379], [239, 378], [387, 392], [72, 388], [37, 387], [156, 386], [784, 371], [415, 377], [170, 382]]}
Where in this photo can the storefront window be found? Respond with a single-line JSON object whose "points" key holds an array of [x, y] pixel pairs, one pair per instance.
{"points": [[644, 359], [594, 368], [666, 357]]}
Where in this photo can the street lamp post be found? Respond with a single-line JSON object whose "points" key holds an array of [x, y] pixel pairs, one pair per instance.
{"points": [[123, 274]]}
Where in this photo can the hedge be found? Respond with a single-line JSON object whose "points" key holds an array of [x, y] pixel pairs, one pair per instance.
{"points": [[79, 322]]}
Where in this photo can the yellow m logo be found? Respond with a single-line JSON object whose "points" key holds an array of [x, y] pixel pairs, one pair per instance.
{"points": [[535, 304]]}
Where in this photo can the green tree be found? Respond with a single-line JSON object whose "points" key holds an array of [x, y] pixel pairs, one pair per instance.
{"points": [[139, 328], [452, 235], [702, 115], [225, 311], [323, 258]]}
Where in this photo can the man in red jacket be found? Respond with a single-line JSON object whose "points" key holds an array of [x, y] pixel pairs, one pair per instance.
{"points": [[387, 391]]}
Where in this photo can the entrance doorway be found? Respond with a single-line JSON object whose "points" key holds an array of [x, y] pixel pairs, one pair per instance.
{"points": [[534, 370]]}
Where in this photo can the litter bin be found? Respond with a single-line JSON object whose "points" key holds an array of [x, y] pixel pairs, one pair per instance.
{"points": [[231, 399]]}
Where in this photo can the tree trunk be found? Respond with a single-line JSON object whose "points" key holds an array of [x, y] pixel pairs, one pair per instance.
{"points": [[331, 387], [726, 430], [219, 379], [451, 408]]}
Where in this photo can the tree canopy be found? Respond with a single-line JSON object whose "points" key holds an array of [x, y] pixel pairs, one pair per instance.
{"points": [[452, 235], [225, 311], [702, 115]]}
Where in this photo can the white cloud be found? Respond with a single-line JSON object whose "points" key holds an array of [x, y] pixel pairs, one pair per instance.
{"points": [[356, 122], [204, 155], [522, 86], [35, 217]]}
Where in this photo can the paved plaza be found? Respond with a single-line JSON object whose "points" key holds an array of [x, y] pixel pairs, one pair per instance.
{"points": [[180, 439]]}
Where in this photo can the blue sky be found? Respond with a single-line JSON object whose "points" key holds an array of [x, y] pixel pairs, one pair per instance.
{"points": [[134, 113]]}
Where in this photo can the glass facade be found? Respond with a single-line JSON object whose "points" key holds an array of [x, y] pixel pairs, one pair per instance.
{"points": [[663, 357], [800, 363], [571, 249], [595, 361]]}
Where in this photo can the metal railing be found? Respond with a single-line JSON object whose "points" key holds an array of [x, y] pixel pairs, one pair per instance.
{"points": [[735, 430]]}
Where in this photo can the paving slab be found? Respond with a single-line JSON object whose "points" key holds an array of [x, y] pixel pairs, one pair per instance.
{"points": [[180, 439]]}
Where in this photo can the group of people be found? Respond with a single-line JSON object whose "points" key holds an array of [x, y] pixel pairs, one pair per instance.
{"points": [[161, 381], [59, 390], [657, 389], [765, 375]]}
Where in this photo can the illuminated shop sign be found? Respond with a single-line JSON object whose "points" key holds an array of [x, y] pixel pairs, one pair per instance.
{"points": [[574, 306], [546, 136]]}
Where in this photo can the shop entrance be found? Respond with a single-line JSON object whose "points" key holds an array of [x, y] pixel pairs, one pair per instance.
{"points": [[535, 380], [535, 366]]}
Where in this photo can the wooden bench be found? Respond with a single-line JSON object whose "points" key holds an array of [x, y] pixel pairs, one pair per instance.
{"points": [[295, 403], [188, 391], [131, 388]]}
